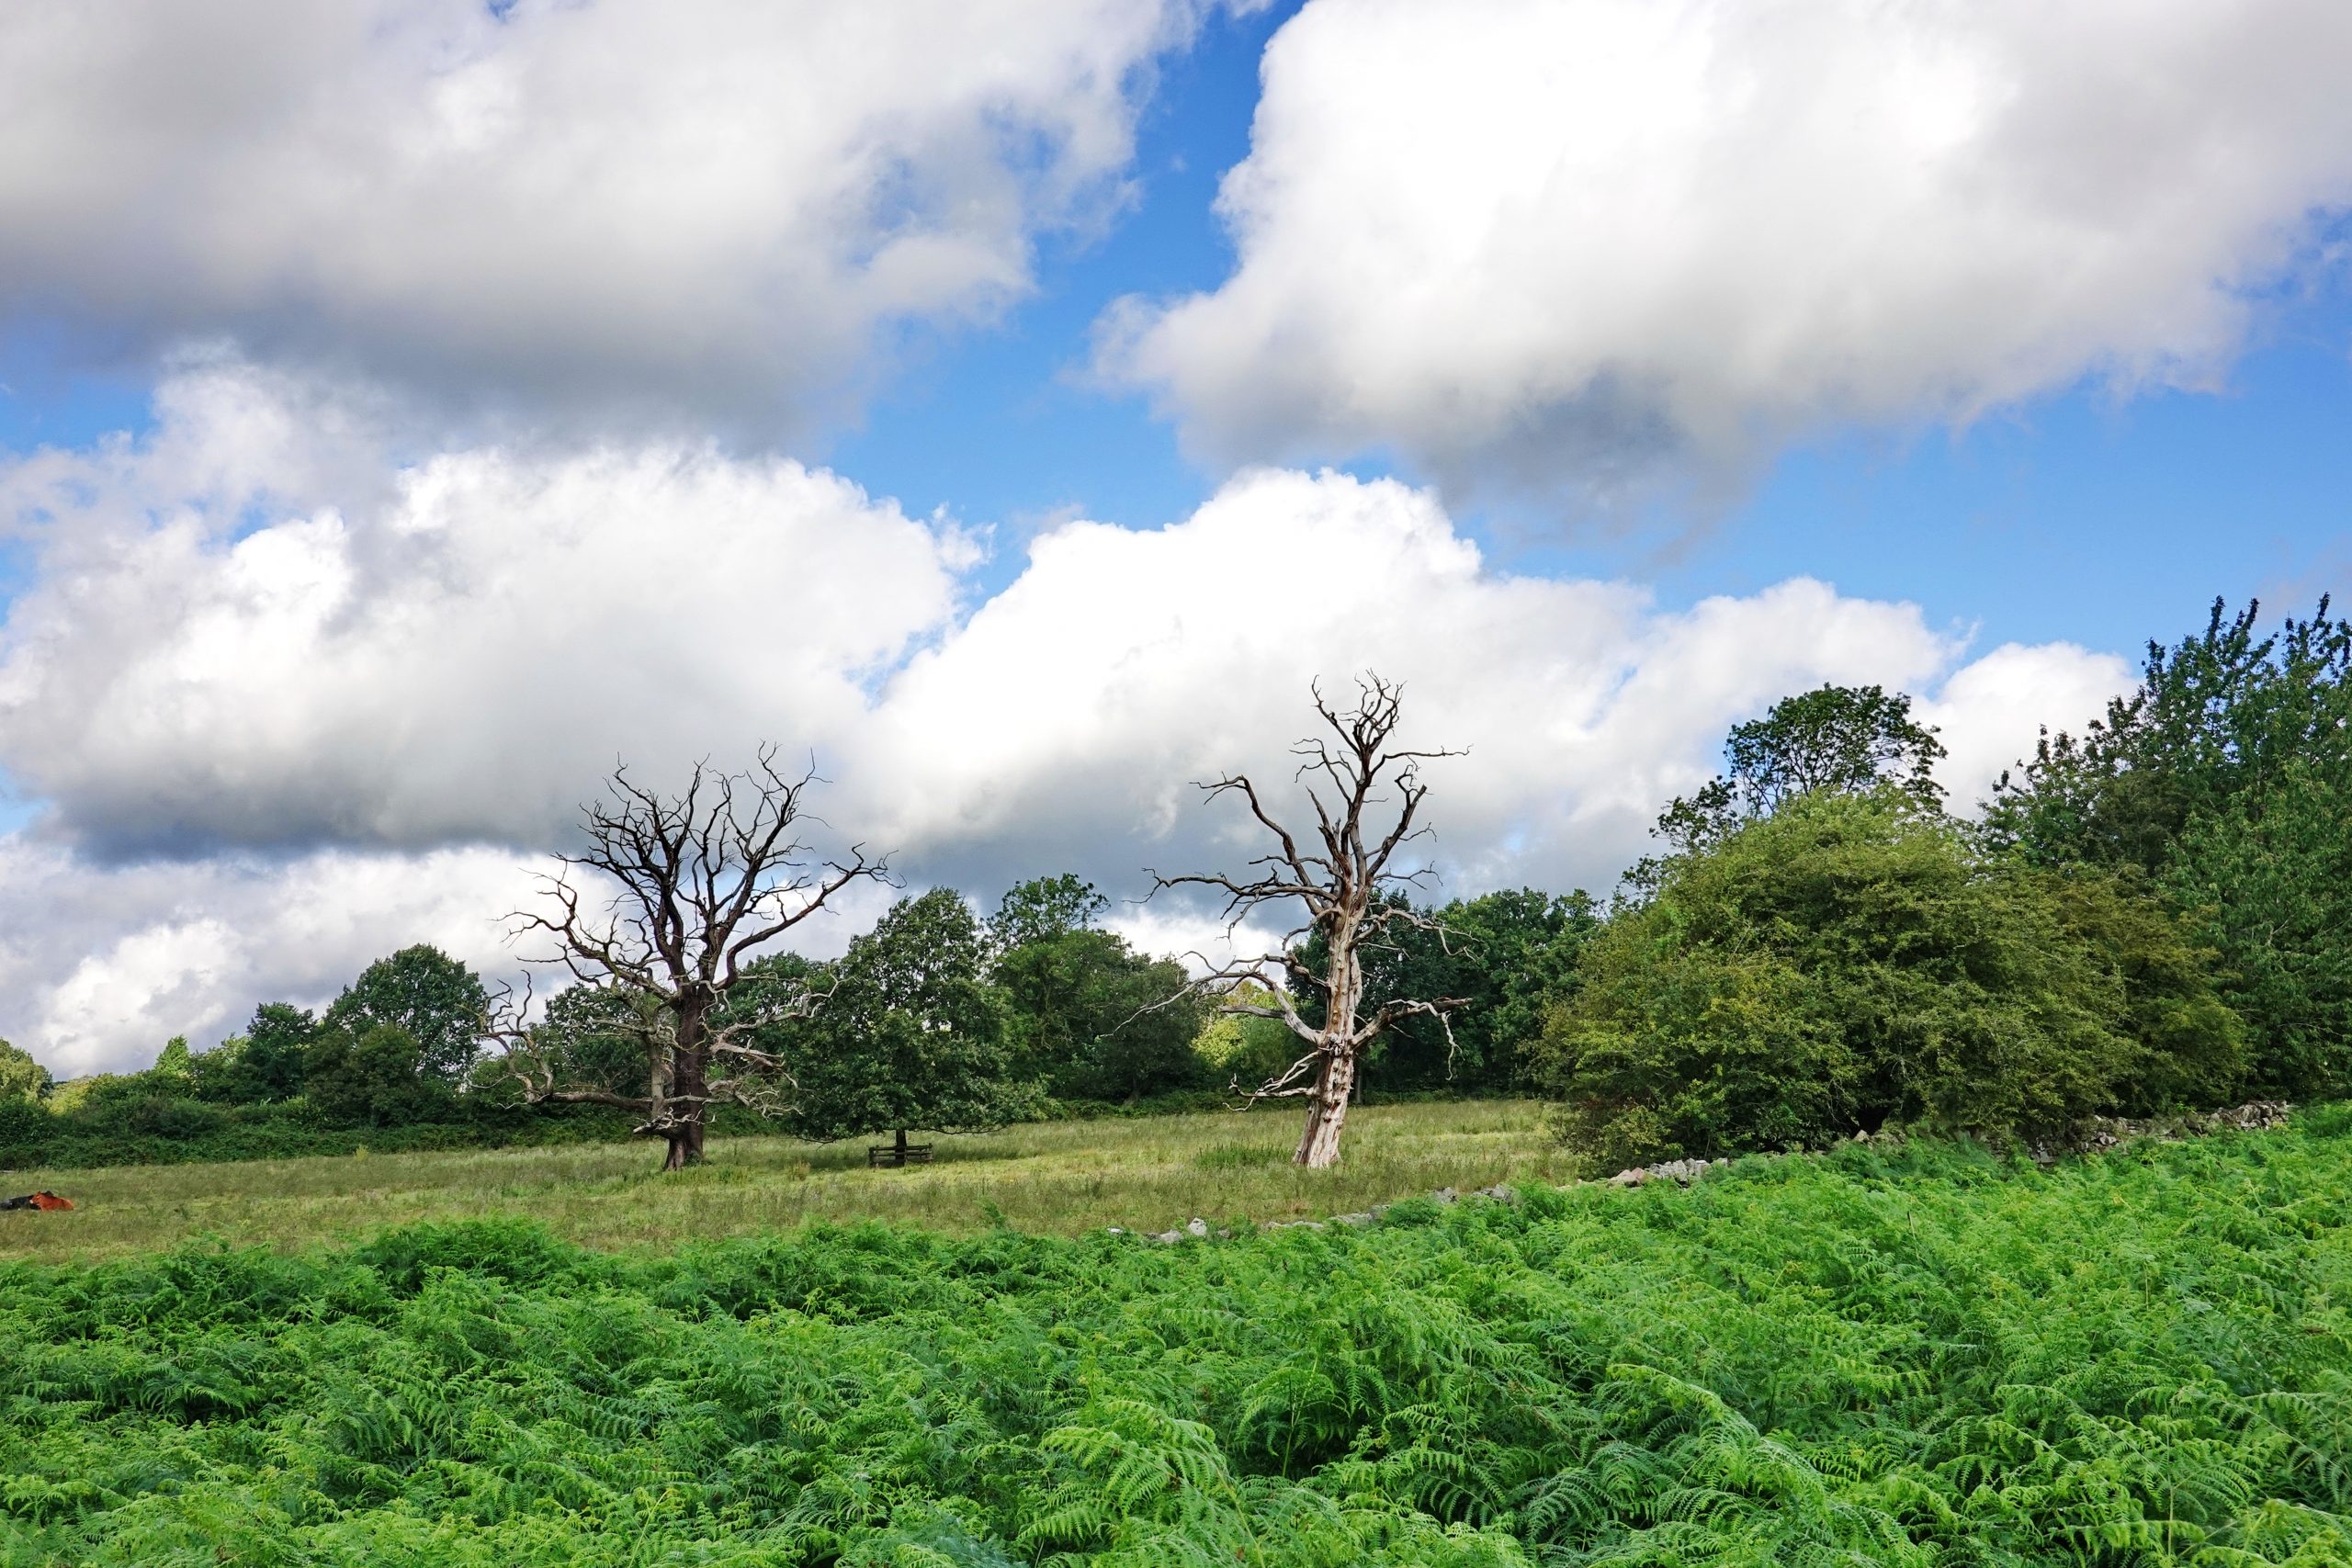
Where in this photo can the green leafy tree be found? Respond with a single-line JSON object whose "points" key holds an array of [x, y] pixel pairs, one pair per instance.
{"points": [[176, 1062], [2225, 779], [2217, 721], [1090, 1016], [373, 1078], [2268, 883], [1853, 739], [910, 1034], [1045, 907], [21, 1078], [439, 1002], [1508, 955], [1098, 1021], [269, 1067], [1244, 1048], [1854, 960], [595, 1036]]}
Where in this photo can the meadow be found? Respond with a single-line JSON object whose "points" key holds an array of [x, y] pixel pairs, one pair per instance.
{"points": [[1153, 1173], [1927, 1355]]}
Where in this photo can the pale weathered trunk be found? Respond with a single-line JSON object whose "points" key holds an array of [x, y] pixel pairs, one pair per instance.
{"points": [[1335, 1076], [1327, 1111]]}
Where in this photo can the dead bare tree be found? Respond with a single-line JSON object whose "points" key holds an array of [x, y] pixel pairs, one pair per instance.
{"points": [[1339, 880], [703, 879]]}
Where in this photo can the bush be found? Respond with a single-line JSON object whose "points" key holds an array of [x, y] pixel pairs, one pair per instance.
{"points": [[25, 1127], [172, 1116], [1856, 960]]}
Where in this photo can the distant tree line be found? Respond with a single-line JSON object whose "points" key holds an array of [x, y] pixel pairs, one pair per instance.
{"points": [[935, 1020], [2151, 914]]}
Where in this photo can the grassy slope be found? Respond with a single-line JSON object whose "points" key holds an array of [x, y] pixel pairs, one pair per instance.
{"points": [[1153, 1173], [2143, 1358]]}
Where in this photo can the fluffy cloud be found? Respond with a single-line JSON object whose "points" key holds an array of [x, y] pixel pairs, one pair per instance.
{"points": [[1066, 720], [454, 657], [278, 738], [1600, 242], [634, 206]]}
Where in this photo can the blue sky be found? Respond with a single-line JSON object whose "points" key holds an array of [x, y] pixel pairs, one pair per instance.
{"points": [[480, 381]]}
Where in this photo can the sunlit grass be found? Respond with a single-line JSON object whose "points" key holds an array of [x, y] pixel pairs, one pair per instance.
{"points": [[1062, 1178]]}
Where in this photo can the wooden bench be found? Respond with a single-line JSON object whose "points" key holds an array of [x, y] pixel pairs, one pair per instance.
{"points": [[892, 1156]]}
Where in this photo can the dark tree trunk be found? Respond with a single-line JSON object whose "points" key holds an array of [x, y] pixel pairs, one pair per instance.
{"points": [[686, 1087], [902, 1146], [704, 877]]}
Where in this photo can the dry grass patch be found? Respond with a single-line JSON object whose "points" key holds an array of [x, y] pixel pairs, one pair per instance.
{"points": [[1059, 1178]]}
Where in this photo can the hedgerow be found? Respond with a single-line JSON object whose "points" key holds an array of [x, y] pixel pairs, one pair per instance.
{"points": [[1924, 1357]]}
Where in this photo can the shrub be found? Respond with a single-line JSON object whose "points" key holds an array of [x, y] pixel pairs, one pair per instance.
{"points": [[172, 1116], [1856, 960]]}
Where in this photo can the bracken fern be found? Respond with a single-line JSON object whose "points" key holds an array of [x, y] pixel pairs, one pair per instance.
{"points": [[1932, 1356]]}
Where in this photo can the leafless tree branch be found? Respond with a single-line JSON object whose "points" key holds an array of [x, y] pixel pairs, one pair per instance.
{"points": [[697, 882], [1348, 777]]}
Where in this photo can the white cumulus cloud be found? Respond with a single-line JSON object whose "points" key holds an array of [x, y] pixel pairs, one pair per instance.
{"points": [[457, 655], [1587, 244], [101, 963], [628, 207]]}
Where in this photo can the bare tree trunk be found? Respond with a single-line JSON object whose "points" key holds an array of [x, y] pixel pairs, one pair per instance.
{"points": [[1335, 1076], [1327, 1112], [1341, 877], [705, 878], [689, 1088], [902, 1146]]}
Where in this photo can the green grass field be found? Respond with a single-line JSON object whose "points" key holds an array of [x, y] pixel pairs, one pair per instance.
{"points": [[1152, 1173], [1926, 1357]]}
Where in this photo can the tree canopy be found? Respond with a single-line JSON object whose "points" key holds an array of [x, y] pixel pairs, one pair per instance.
{"points": [[1855, 959], [1045, 907], [909, 1034], [436, 1000], [2224, 780], [21, 1078], [1834, 738]]}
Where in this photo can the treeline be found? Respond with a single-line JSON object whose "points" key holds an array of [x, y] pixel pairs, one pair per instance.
{"points": [[936, 1019], [389, 1065], [2153, 914]]}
